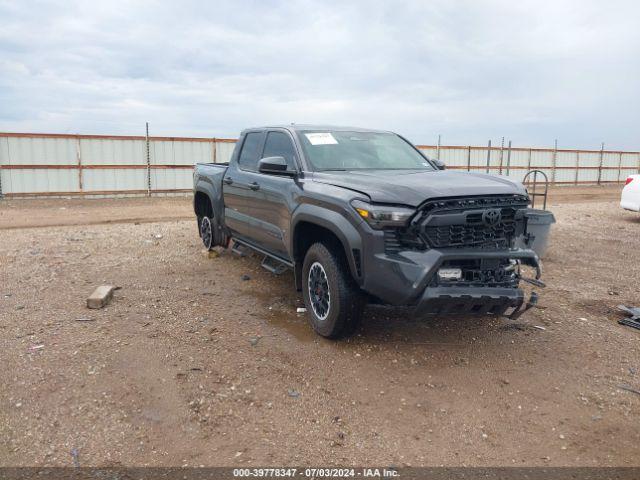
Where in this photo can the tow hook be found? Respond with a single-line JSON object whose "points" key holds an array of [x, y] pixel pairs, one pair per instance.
{"points": [[533, 301]]}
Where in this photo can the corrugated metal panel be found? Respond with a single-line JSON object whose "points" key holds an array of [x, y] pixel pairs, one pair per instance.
{"points": [[177, 159], [224, 151], [109, 179]]}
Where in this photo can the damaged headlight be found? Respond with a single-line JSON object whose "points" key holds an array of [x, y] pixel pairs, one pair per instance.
{"points": [[380, 216]]}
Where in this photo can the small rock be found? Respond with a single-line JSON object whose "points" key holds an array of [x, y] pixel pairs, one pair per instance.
{"points": [[293, 393], [301, 310], [19, 307], [158, 236], [539, 327], [85, 319], [245, 277], [100, 297], [254, 341]]}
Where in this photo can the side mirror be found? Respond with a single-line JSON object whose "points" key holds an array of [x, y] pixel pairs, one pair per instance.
{"points": [[275, 165], [439, 164]]}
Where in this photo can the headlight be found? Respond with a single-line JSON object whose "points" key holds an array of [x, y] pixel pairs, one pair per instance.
{"points": [[380, 216]]}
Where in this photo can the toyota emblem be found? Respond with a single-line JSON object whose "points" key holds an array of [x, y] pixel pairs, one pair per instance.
{"points": [[491, 217]]}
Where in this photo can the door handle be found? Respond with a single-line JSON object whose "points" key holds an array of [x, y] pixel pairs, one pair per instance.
{"points": [[228, 180], [254, 186]]}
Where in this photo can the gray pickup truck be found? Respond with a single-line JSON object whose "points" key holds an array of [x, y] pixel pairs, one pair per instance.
{"points": [[363, 215]]}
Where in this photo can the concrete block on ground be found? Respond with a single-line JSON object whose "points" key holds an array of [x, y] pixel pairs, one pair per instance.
{"points": [[100, 296]]}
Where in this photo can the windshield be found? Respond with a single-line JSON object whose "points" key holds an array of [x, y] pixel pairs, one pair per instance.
{"points": [[341, 150]]}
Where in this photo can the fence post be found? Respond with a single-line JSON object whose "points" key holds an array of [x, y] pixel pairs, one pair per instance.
{"points": [[600, 163], [9, 163], [501, 155], [508, 158], [469, 158], [79, 158], [619, 166], [554, 161], [1, 172], [214, 145], [489, 156], [638, 165], [575, 180], [529, 160], [148, 161], [438, 148]]}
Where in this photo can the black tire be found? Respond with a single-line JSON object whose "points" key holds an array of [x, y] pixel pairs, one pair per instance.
{"points": [[207, 233], [337, 304], [198, 222]]}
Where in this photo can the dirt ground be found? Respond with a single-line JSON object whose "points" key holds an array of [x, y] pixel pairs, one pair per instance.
{"points": [[192, 365]]}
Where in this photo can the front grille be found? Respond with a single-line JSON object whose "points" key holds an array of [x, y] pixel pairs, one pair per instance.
{"points": [[473, 234], [458, 223]]}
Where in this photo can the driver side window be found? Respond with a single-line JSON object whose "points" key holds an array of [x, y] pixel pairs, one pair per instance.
{"points": [[279, 144]]}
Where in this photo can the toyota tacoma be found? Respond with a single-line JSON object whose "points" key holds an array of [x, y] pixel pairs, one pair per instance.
{"points": [[364, 216]]}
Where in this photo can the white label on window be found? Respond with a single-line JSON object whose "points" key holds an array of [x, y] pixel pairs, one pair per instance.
{"points": [[321, 138]]}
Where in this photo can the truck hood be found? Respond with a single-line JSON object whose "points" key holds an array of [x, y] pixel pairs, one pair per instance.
{"points": [[411, 187]]}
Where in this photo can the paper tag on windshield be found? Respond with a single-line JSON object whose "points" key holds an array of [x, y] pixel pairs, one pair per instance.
{"points": [[321, 138]]}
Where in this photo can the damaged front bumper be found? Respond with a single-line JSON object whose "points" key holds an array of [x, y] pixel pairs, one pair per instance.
{"points": [[411, 278], [509, 302]]}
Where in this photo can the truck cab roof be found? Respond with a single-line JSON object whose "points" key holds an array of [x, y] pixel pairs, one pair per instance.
{"points": [[296, 127]]}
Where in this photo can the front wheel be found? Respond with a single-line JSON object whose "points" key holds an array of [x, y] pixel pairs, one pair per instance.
{"points": [[333, 300]]}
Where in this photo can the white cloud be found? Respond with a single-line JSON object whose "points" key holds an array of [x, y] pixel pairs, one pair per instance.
{"points": [[531, 71]]}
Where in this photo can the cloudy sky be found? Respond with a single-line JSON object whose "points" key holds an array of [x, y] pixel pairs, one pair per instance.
{"points": [[530, 71]]}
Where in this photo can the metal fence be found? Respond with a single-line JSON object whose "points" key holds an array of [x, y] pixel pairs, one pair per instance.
{"points": [[65, 165]]}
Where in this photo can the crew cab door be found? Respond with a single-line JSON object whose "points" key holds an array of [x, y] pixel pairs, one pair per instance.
{"points": [[237, 188], [271, 202]]}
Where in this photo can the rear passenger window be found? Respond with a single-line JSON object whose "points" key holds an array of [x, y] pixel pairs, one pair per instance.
{"points": [[248, 159], [279, 144]]}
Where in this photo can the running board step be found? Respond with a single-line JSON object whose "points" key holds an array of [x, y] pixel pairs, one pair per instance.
{"points": [[239, 249], [273, 265]]}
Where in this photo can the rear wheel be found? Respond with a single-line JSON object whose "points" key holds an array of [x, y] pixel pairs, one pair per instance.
{"points": [[333, 300], [206, 232]]}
